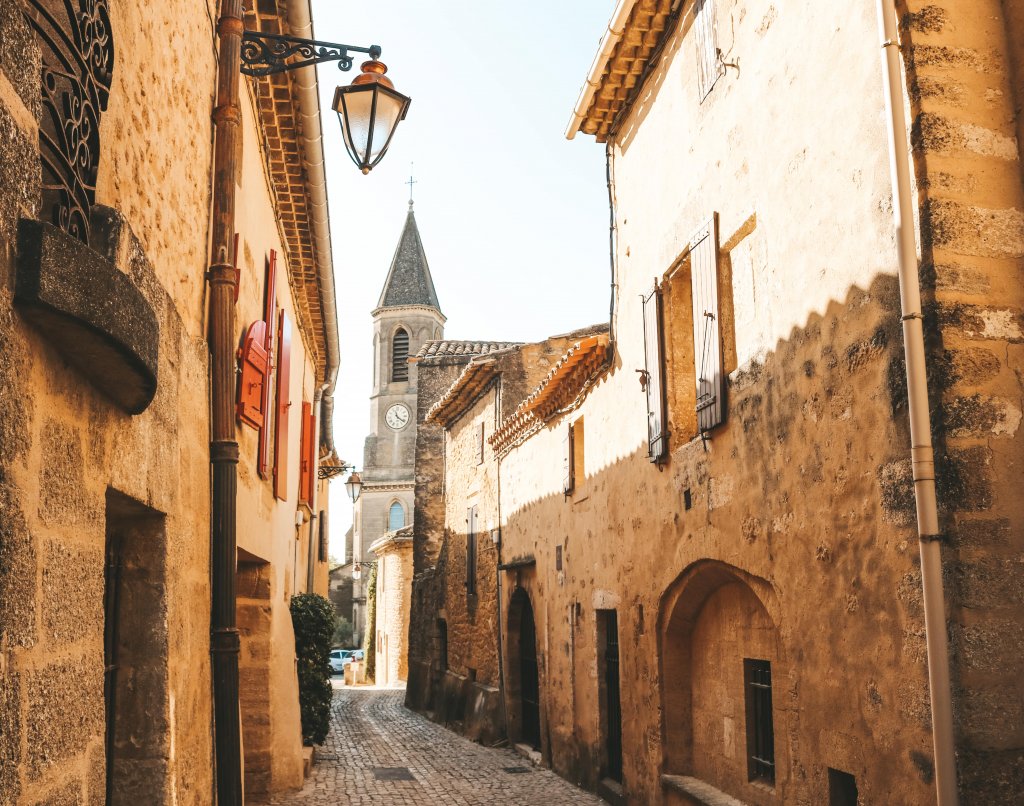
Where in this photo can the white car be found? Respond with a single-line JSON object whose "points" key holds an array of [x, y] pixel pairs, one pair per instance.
{"points": [[340, 658]]}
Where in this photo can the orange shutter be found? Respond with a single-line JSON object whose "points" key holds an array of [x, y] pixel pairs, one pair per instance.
{"points": [[284, 402], [253, 382], [269, 311]]}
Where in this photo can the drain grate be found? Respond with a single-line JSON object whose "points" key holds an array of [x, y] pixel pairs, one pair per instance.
{"points": [[516, 770], [392, 774], [326, 757]]}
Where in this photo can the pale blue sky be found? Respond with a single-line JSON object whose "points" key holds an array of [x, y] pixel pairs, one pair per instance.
{"points": [[514, 217]]}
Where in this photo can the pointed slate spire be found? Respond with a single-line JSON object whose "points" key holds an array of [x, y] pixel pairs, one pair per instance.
{"points": [[409, 281]]}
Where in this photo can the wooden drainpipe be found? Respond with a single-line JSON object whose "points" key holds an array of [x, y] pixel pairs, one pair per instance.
{"points": [[224, 644]]}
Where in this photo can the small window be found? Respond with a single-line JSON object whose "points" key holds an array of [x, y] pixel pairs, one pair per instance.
{"points": [[651, 378], [706, 37], [481, 434], [400, 356], [471, 552], [396, 516], [757, 678]]}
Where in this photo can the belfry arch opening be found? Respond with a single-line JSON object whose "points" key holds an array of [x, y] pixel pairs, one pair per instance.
{"points": [[400, 355], [720, 649]]}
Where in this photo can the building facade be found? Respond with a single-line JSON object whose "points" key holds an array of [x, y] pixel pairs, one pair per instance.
{"points": [[106, 147], [711, 582]]}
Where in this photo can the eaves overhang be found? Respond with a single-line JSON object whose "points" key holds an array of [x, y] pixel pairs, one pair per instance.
{"points": [[633, 34], [560, 391]]}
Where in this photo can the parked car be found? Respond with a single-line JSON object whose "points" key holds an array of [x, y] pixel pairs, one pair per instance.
{"points": [[340, 658]]}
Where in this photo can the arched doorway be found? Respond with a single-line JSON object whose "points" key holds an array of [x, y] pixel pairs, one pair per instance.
{"points": [[524, 672], [720, 650]]}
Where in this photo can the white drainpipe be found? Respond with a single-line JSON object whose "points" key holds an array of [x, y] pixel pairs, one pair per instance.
{"points": [[921, 453]]}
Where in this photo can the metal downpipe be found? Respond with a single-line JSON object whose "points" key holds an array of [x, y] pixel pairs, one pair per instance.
{"points": [[922, 455]]}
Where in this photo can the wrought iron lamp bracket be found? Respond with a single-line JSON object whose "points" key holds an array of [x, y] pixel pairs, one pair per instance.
{"points": [[330, 471], [266, 54]]}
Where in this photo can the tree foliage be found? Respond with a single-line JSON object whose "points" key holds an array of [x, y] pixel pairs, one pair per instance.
{"points": [[313, 621], [370, 639]]}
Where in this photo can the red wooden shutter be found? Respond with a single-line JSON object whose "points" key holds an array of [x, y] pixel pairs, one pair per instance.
{"points": [[707, 331], [269, 309], [307, 438], [657, 437], [568, 462], [284, 369], [255, 371]]}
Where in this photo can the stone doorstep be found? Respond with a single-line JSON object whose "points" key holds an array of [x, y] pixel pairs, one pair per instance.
{"points": [[699, 793], [531, 755], [308, 760], [610, 791]]}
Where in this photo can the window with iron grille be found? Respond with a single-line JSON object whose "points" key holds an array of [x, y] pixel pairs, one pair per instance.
{"points": [[706, 38], [757, 679], [400, 356]]}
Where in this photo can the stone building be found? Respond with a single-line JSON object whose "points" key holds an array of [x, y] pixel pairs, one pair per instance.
{"points": [[712, 577], [106, 147], [407, 315], [466, 389]]}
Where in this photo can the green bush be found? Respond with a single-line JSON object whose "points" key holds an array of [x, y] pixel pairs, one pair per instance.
{"points": [[313, 620], [370, 639]]}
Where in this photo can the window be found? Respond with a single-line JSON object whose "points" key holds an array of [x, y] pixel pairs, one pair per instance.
{"points": [[396, 516], [707, 46], [471, 551], [757, 679], [480, 444], [284, 371], [400, 355]]}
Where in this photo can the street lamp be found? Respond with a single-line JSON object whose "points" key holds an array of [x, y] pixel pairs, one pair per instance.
{"points": [[369, 109], [353, 485]]}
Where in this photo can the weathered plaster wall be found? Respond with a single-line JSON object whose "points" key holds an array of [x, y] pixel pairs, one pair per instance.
{"points": [[394, 597], [806, 487]]}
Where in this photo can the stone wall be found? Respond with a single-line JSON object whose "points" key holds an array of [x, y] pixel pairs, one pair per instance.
{"points": [[66, 448]]}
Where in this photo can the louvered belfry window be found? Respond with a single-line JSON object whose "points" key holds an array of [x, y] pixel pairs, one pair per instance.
{"points": [[657, 436], [400, 356], [707, 327], [706, 39]]}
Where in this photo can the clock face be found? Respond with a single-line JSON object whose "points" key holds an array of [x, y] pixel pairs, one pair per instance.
{"points": [[397, 416]]}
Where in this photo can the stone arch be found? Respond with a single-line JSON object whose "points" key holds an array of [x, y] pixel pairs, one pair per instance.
{"points": [[711, 619], [523, 672]]}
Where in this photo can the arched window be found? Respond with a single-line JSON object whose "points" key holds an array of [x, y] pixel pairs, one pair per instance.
{"points": [[400, 355], [396, 517]]}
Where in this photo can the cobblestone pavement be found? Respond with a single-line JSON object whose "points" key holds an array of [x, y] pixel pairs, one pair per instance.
{"points": [[370, 728]]}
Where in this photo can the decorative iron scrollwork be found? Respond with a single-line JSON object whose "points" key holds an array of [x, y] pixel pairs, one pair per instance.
{"points": [[78, 64], [266, 54]]}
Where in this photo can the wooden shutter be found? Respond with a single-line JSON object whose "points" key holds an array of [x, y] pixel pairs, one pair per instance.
{"points": [[254, 367], [706, 39], [269, 314], [471, 551], [657, 436], [305, 466], [284, 402], [707, 331], [568, 461]]}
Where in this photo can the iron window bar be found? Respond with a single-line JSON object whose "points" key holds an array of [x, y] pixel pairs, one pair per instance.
{"points": [[265, 54]]}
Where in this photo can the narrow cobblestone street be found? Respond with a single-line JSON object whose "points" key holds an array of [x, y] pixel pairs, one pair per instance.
{"points": [[374, 737]]}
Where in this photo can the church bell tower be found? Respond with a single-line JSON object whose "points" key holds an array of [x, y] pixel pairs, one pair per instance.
{"points": [[407, 315]]}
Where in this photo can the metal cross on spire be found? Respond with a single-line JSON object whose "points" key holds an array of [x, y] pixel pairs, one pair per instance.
{"points": [[410, 183]]}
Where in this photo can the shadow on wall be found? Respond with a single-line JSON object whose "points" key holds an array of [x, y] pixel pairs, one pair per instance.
{"points": [[796, 522]]}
